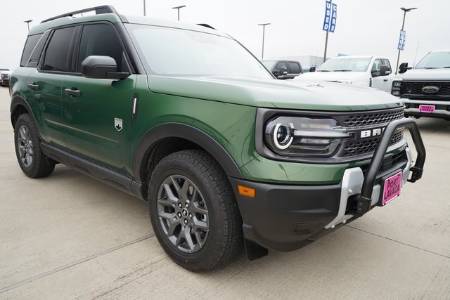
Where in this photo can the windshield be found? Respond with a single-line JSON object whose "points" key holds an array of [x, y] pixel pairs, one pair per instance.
{"points": [[435, 60], [178, 52], [343, 64]]}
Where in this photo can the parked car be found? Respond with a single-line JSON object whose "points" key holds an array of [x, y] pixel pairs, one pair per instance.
{"points": [[370, 71], [425, 89], [284, 69], [309, 62], [4, 77], [226, 156]]}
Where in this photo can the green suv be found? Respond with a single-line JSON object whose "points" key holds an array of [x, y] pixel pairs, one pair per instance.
{"points": [[184, 117]]}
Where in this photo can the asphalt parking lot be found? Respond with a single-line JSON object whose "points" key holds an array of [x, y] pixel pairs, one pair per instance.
{"points": [[70, 236]]}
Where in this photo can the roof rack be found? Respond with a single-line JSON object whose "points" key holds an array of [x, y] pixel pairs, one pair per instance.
{"points": [[104, 9], [207, 26]]}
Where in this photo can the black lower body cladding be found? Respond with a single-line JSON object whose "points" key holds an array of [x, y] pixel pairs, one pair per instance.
{"points": [[285, 217]]}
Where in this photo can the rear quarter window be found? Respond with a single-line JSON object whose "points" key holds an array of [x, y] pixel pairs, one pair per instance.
{"points": [[30, 45], [37, 52]]}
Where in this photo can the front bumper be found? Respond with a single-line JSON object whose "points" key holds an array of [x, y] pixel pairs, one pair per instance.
{"points": [[287, 217], [442, 108]]}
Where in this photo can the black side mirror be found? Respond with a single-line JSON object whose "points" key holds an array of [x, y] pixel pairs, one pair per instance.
{"points": [[384, 71], [403, 68], [312, 69], [102, 67]]}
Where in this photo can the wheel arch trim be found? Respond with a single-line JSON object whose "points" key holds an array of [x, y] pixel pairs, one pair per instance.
{"points": [[187, 132], [18, 101]]}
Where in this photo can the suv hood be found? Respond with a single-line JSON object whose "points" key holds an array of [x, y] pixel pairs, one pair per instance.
{"points": [[426, 74], [272, 93]]}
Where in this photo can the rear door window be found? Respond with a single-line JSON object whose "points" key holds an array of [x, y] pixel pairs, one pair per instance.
{"points": [[30, 44], [59, 51]]}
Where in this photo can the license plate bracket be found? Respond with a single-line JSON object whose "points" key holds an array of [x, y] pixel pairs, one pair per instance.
{"points": [[392, 186]]}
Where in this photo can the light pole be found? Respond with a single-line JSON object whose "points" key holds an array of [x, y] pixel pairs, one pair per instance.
{"points": [[145, 7], [28, 24], [178, 10], [326, 47], [263, 37], [405, 10]]}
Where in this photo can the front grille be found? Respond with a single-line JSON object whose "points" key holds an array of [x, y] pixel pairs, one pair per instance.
{"points": [[369, 119], [356, 122], [415, 88], [362, 147]]}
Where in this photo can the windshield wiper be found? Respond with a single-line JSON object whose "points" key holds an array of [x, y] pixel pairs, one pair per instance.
{"points": [[342, 70], [323, 71]]}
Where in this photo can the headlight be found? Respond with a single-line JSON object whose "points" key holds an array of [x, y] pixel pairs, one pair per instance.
{"points": [[282, 135], [396, 88], [303, 136]]}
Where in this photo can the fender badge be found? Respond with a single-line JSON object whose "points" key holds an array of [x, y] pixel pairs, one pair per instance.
{"points": [[118, 124]]}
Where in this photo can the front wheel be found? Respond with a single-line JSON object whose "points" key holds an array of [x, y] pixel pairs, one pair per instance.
{"points": [[193, 211]]}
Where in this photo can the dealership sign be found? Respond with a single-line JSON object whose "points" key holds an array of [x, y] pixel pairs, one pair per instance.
{"points": [[329, 22]]}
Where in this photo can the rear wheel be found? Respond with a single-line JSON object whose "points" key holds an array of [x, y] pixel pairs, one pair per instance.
{"points": [[31, 160], [193, 211]]}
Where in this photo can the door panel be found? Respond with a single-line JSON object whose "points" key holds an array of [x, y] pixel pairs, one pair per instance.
{"points": [[382, 82], [93, 109], [89, 118], [46, 89], [45, 83]]}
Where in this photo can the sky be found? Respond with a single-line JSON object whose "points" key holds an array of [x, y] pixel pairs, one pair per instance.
{"points": [[364, 27]]}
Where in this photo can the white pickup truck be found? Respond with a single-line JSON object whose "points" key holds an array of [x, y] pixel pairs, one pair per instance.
{"points": [[425, 89], [370, 71]]}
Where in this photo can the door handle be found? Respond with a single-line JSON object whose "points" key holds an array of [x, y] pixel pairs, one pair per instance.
{"points": [[34, 86], [385, 80], [72, 92]]}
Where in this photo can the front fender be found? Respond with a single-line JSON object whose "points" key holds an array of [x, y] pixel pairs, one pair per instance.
{"points": [[187, 132]]}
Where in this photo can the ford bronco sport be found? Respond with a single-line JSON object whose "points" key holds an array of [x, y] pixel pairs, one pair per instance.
{"points": [[184, 117]]}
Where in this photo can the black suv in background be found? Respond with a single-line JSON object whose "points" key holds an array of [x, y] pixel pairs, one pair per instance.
{"points": [[284, 69]]}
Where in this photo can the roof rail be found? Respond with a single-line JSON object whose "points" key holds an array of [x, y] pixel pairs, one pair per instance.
{"points": [[207, 26], [104, 9]]}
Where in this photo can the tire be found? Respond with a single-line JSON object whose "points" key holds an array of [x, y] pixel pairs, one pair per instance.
{"points": [[223, 239], [27, 144]]}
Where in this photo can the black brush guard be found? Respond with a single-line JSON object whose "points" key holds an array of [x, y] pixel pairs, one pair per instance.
{"points": [[364, 200]]}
